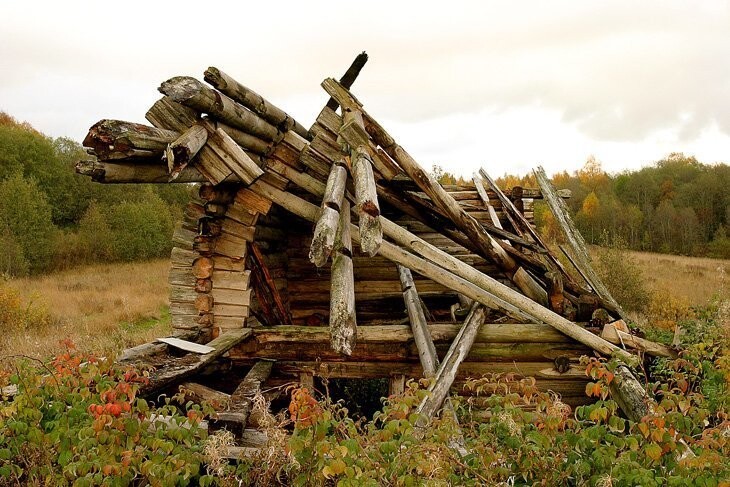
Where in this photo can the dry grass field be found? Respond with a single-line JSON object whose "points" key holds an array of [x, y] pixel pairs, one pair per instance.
{"points": [[695, 279], [102, 308]]}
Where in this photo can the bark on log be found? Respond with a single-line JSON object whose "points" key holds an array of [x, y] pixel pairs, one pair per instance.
{"points": [[253, 101], [194, 94], [181, 151], [631, 397], [343, 321], [444, 378], [116, 139]]}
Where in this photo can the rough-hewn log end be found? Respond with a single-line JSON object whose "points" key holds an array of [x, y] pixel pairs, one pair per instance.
{"points": [[180, 88], [91, 169], [371, 234], [212, 75]]}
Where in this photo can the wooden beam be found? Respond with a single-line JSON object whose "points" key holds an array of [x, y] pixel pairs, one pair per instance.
{"points": [[342, 320], [618, 336], [116, 139], [366, 201], [235, 418], [194, 94], [181, 151], [177, 369], [253, 101], [327, 225], [421, 334], [581, 259], [444, 378], [349, 77]]}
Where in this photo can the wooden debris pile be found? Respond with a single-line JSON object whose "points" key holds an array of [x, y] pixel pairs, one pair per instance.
{"points": [[340, 256]]}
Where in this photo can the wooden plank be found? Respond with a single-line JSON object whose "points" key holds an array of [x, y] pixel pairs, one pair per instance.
{"points": [[186, 345], [342, 320], [231, 296], [177, 369]]}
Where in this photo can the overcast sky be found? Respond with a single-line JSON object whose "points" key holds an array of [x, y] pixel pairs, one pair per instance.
{"points": [[503, 85]]}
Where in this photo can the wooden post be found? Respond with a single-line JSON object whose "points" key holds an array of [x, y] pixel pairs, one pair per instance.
{"points": [[366, 198], [397, 385], [253, 101], [325, 231], [343, 322], [439, 388], [349, 77], [581, 259]]}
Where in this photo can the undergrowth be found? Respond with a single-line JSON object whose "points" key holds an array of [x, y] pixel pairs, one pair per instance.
{"points": [[77, 420]]}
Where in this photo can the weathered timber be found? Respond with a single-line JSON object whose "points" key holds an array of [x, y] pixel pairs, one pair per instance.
{"points": [[198, 393], [421, 335], [446, 373], [147, 350], [194, 94], [343, 322], [617, 336], [253, 101], [168, 114], [487, 203], [283, 314], [116, 139], [181, 151], [486, 293], [125, 172], [349, 77], [581, 259], [233, 156], [630, 395], [366, 202], [235, 418], [177, 369], [326, 228]]}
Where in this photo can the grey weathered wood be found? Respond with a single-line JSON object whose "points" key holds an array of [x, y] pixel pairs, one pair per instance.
{"points": [[326, 228], [421, 334], [200, 393], [446, 373], [168, 114], [235, 418], [485, 199], [349, 77], [485, 243], [146, 350], [116, 139], [194, 94], [233, 157], [253, 101], [177, 369], [343, 321], [630, 395], [181, 151], [581, 259], [366, 199], [486, 293]]}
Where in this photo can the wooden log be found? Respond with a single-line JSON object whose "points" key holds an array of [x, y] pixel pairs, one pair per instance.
{"points": [[177, 369], [630, 395], [198, 393], [181, 151], [487, 203], [343, 322], [235, 418], [253, 101], [126, 172], [168, 114], [326, 228], [580, 255], [618, 336], [282, 313], [444, 378], [517, 303], [146, 350], [232, 156], [250, 143], [194, 94], [421, 335], [116, 139], [349, 77], [366, 199], [397, 385]]}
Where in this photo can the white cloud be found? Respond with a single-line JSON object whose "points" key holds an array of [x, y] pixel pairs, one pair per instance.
{"points": [[508, 85]]}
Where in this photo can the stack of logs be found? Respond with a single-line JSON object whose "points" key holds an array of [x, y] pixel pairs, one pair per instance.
{"points": [[357, 186]]}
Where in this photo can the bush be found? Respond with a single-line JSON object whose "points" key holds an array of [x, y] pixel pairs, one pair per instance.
{"points": [[622, 277], [25, 215], [16, 314], [142, 229]]}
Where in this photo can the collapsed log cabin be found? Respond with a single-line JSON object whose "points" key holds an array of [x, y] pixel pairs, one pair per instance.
{"points": [[330, 252]]}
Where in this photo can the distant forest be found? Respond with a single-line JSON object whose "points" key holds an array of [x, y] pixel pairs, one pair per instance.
{"points": [[51, 218]]}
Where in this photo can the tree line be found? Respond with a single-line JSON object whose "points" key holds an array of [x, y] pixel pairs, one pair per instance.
{"points": [[676, 205], [51, 218]]}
